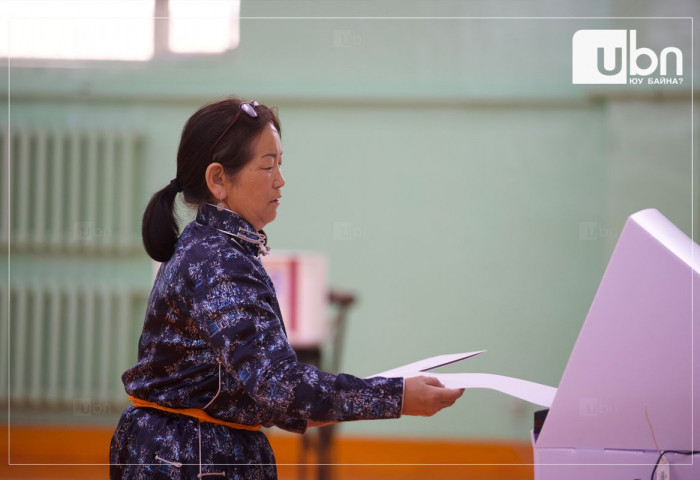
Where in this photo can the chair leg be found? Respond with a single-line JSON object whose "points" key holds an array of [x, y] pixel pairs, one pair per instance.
{"points": [[303, 454], [325, 452]]}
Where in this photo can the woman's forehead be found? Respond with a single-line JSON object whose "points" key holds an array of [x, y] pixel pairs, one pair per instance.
{"points": [[268, 142]]}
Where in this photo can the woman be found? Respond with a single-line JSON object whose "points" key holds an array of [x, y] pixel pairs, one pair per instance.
{"points": [[214, 363]]}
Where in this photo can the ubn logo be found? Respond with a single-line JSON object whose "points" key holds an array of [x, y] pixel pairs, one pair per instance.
{"points": [[606, 56]]}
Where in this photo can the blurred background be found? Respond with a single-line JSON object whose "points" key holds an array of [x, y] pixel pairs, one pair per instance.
{"points": [[437, 153]]}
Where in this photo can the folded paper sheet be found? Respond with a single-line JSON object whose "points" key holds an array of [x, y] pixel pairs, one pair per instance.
{"points": [[529, 391]]}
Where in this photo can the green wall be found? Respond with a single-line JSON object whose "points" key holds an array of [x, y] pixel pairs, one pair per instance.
{"points": [[459, 183]]}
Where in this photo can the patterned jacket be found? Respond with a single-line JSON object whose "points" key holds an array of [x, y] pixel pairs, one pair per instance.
{"points": [[213, 337]]}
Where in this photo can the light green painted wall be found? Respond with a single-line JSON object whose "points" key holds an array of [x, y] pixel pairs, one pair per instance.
{"points": [[458, 182]]}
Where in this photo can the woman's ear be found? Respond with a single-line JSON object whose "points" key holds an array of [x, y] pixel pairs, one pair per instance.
{"points": [[215, 176]]}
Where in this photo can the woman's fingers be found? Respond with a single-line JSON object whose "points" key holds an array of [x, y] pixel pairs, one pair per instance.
{"points": [[433, 381], [425, 396]]}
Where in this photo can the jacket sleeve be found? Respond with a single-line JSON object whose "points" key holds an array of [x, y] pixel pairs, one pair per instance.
{"points": [[234, 312]]}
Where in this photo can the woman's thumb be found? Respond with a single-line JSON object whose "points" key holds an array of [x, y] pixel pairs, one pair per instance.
{"points": [[433, 382]]}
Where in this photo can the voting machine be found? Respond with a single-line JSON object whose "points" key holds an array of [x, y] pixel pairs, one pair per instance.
{"points": [[631, 388]]}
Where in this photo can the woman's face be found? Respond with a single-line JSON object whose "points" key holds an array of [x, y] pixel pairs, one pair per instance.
{"points": [[254, 192]]}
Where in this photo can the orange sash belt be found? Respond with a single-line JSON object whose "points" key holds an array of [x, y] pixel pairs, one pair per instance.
{"points": [[192, 412]]}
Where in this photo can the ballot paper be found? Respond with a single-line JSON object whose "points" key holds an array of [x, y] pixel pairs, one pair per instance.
{"points": [[529, 391]]}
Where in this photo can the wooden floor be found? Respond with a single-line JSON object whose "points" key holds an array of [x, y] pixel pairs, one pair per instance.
{"points": [[353, 459]]}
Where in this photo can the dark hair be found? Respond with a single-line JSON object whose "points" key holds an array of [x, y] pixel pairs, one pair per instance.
{"points": [[159, 228]]}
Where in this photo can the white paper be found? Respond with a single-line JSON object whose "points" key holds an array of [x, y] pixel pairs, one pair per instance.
{"points": [[427, 364], [529, 391]]}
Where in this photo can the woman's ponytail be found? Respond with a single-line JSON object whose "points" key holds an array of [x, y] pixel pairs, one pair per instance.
{"points": [[159, 229]]}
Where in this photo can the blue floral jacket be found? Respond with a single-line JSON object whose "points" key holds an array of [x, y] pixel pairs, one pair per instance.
{"points": [[213, 338]]}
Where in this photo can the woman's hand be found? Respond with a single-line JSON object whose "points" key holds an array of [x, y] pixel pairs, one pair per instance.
{"points": [[425, 396]]}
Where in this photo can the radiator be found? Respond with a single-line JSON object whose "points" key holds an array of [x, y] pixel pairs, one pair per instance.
{"points": [[70, 189], [73, 305], [68, 345]]}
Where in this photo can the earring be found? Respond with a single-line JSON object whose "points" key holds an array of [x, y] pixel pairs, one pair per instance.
{"points": [[220, 206]]}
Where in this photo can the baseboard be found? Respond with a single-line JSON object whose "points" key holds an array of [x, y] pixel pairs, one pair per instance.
{"points": [[352, 457]]}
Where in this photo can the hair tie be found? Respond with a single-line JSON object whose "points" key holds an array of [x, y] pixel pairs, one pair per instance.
{"points": [[175, 185]]}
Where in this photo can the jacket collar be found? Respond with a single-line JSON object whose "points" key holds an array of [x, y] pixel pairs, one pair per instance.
{"points": [[234, 225]]}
